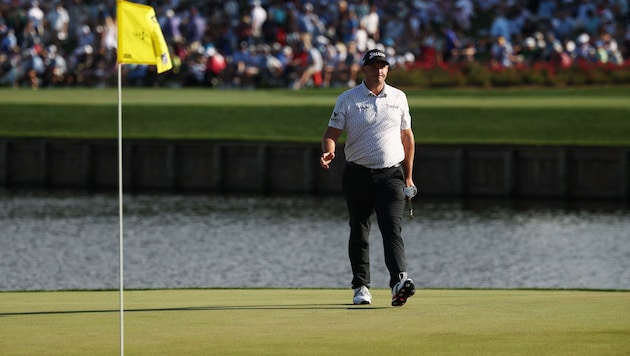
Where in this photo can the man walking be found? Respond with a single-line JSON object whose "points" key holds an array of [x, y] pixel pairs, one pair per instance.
{"points": [[377, 178]]}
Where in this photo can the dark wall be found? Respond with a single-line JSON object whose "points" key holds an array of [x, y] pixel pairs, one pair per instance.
{"points": [[279, 168]]}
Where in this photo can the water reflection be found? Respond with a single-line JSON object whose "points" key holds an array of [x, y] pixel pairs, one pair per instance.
{"points": [[64, 240]]}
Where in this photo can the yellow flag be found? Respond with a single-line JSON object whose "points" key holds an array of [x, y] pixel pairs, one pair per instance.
{"points": [[140, 38]]}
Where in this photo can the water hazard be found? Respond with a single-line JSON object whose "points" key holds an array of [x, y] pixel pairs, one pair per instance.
{"points": [[61, 240]]}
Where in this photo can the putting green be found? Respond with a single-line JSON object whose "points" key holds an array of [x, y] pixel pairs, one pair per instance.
{"points": [[315, 321]]}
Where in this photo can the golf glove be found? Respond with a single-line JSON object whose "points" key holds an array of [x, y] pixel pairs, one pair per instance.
{"points": [[410, 191]]}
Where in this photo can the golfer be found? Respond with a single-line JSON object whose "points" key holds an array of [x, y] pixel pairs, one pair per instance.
{"points": [[377, 177]]}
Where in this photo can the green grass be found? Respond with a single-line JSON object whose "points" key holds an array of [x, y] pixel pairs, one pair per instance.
{"points": [[585, 116], [316, 322]]}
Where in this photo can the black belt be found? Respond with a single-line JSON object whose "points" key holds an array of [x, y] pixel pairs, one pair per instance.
{"points": [[374, 170]]}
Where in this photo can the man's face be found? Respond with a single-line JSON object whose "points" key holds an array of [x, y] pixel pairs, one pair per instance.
{"points": [[376, 71]]}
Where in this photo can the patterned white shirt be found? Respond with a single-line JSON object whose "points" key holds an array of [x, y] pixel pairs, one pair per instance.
{"points": [[373, 124]]}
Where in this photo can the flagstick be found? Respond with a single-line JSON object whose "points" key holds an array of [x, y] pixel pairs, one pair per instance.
{"points": [[120, 213], [151, 49]]}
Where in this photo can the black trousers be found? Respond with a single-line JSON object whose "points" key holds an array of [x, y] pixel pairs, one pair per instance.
{"points": [[369, 191]]}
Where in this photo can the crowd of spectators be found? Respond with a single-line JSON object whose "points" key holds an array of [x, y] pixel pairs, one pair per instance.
{"points": [[299, 43]]}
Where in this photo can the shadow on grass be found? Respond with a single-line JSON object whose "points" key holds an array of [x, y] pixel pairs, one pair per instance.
{"points": [[209, 308]]}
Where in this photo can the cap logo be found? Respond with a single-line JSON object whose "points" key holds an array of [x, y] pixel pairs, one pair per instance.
{"points": [[375, 54]]}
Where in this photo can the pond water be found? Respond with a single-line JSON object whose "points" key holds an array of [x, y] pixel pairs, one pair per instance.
{"points": [[69, 240]]}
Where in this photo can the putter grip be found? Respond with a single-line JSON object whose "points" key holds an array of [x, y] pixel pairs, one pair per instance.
{"points": [[410, 191]]}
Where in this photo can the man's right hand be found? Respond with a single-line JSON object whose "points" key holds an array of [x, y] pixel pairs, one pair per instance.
{"points": [[325, 159]]}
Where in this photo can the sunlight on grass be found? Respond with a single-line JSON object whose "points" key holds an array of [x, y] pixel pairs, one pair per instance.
{"points": [[316, 321]]}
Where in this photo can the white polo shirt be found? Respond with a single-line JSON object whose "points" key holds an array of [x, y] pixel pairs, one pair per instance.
{"points": [[373, 124]]}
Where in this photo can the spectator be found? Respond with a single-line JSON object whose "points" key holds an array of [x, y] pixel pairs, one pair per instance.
{"points": [[546, 10], [29, 37], [464, 11], [311, 70], [429, 54], [371, 23], [585, 52], [552, 44], [285, 56], [82, 65], [451, 45], [394, 29], [347, 24], [109, 35], [216, 65], [563, 25], [529, 53], [589, 24], [305, 22], [36, 17], [570, 50], [84, 35], [258, 15], [352, 65], [33, 69], [56, 67], [559, 57], [467, 53], [521, 20], [9, 41], [136, 74], [607, 44], [413, 28], [333, 59], [608, 23], [361, 38], [500, 26], [272, 67], [195, 27], [243, 67], [58, 21], [502, 53], [363, 8], [196, 65], [231, 9], [243, 30], [434, 13], [585, 10], [171, 26], [9, 72]]}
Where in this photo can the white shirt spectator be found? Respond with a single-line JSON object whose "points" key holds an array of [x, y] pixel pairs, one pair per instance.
{"points": [[371, 23], [109, 38], [59, 20], [259, 16], [36, 15], [361, 39]]}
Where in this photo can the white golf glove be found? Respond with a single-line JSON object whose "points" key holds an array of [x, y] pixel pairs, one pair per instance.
{"points": [[410, 191]]}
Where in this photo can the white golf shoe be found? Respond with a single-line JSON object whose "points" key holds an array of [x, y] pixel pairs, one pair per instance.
{"points": [[402, 290], [362, 296]]}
